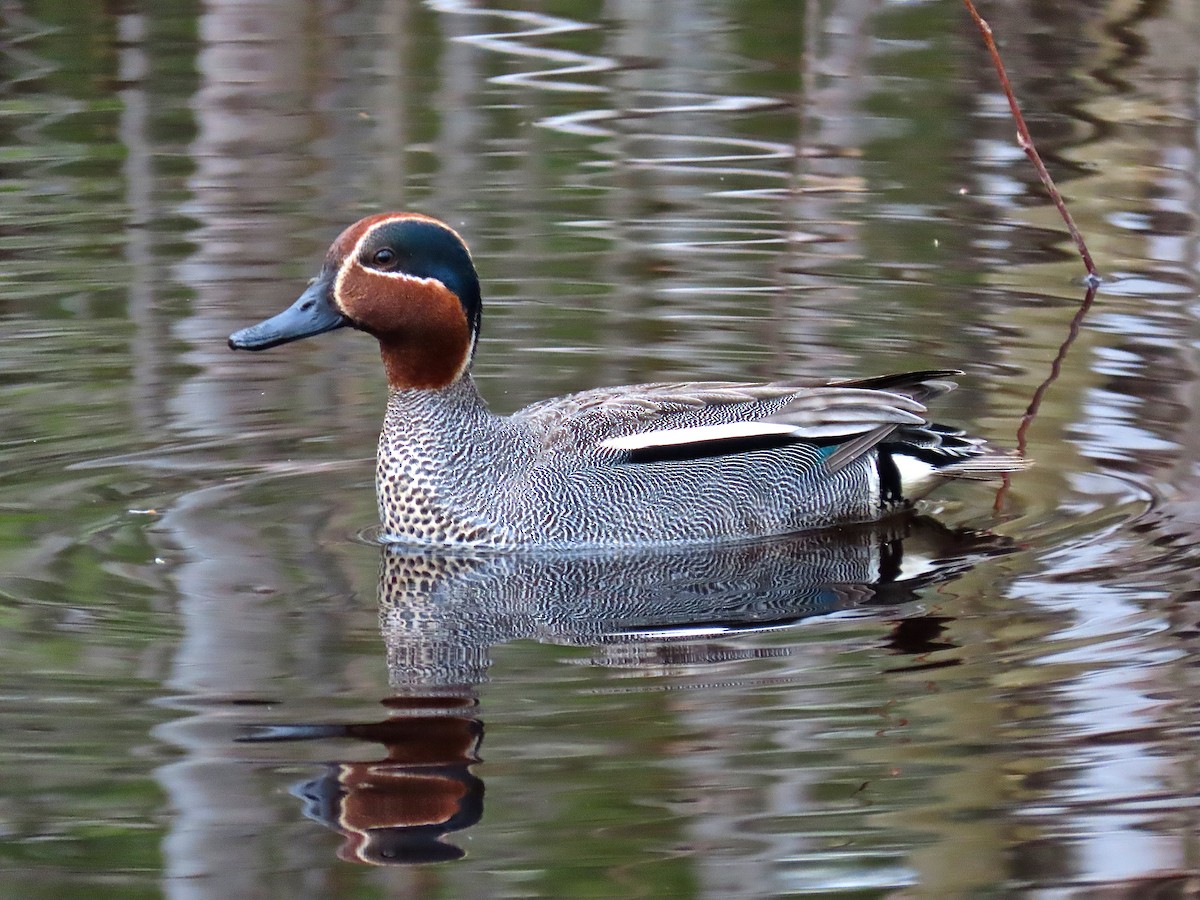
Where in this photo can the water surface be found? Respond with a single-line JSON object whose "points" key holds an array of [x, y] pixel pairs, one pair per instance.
{"points": [[214, 686]]}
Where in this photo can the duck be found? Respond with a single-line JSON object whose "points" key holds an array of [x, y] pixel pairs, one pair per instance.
{"points": [[663, 463]]}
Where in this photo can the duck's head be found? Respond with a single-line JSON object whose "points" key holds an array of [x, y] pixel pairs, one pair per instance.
{"points": [[405, 278]]}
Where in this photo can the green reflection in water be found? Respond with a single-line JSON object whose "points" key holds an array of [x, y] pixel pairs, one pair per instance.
{"points": [[176, 523]]}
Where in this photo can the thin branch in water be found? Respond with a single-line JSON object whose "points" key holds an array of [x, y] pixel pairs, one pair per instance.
{"points": [[1055, 368], [1035, 402], [1025, 141]]}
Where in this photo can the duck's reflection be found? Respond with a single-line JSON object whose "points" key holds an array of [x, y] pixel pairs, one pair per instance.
{"points": [[441, 614], [397, 809]]}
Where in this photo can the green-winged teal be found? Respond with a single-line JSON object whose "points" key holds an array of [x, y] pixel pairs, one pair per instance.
{"points": [[636, 465]]}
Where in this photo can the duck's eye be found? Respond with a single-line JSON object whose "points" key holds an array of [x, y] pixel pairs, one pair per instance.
{"points": [[384, 257]]}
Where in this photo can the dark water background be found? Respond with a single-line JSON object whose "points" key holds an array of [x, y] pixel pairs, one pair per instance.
{"points": [[701, 188]]}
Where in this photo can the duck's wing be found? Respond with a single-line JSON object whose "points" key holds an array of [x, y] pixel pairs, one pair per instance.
{"points": [[670, 421], [634, 403], [921, 386]]}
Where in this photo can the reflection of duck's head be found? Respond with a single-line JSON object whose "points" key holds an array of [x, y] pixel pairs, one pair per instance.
{"points": [[441, 613], [400, 808]]}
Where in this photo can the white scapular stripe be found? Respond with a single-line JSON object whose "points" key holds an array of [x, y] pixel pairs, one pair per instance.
{"points": [[699, 434]]}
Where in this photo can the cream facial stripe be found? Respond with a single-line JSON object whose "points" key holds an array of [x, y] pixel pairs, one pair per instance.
{"points": [[407, 217], [352, 258]]}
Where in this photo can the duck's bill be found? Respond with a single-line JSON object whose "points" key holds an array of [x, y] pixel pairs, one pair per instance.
{"points": [[314, 313]]}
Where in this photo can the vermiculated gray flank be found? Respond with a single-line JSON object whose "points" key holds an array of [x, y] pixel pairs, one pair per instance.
{"points": [[451, 472]]}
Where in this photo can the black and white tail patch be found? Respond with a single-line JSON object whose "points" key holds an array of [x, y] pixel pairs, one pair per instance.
{"points": [[890, 489], [904, 477]]}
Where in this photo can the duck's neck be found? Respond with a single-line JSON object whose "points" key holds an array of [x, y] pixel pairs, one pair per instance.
{"points": [[416, 413], [441, 453]]}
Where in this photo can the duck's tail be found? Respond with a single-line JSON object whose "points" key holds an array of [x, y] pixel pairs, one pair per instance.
{"points": [[915, 460]]}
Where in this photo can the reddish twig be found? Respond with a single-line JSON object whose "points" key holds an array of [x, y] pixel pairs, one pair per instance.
{"points": [[1035, 402], [1025, 141]]}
